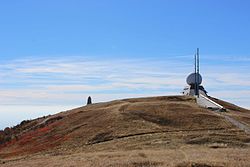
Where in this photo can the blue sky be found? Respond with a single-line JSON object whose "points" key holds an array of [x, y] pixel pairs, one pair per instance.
{"points": [[56, 53]]}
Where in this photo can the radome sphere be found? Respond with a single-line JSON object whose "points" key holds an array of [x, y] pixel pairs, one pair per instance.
{"points": [[191, 79]]}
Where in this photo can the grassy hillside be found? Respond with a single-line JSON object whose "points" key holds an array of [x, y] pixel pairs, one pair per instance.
{"points": [[171, 125]]}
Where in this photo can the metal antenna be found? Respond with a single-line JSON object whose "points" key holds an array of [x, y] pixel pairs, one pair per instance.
{"points": [[195, 76], [198, 61], [198, 71], [195, 63]]}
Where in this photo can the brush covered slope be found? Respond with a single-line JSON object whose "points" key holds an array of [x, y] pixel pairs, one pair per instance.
{"points": [[129, 132]]}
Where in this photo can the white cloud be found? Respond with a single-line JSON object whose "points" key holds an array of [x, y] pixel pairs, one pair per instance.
{"points": [[62, 80]]}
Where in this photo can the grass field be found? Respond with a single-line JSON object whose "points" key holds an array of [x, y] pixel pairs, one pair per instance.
{"points": [[154, 131]]}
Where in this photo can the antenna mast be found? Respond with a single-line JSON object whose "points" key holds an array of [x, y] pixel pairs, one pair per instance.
{"points": [[195, 72], [198, 71], [198, 61]]}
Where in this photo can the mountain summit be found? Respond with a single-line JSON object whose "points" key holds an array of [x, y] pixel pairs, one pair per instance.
{"points": [[152, 131]]}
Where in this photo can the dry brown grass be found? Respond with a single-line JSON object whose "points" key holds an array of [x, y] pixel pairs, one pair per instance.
{"points": [[183, 157], [236, 112], [155, 131]]}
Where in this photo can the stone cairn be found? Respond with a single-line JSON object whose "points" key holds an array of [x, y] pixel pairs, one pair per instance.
{"points": [[89, 101]]}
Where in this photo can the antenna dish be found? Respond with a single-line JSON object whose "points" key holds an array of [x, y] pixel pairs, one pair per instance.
{"points": [[191, 79]]}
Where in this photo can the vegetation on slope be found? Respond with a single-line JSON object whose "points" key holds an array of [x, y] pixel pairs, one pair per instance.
{"points": [[140, 123]]}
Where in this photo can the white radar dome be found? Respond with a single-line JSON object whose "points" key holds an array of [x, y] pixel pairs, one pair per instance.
{"points": [[191, 79]]}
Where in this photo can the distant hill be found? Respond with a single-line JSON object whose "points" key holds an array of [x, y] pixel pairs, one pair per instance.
{"points": [[130, 132]]}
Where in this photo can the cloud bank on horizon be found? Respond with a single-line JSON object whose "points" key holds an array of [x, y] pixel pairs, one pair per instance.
{"points": [[69, 80]]}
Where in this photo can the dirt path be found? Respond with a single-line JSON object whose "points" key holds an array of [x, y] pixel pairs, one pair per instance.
{"points": [[237, 123], [233, 121], [104, 139]]}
